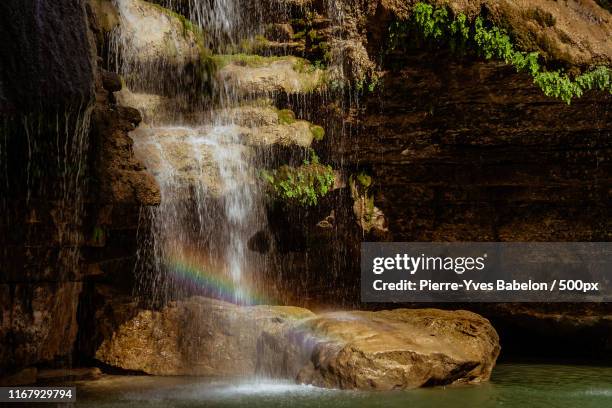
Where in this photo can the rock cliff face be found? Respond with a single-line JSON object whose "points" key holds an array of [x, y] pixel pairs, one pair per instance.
{"points": [[35, 75], [473, 151], [459, 149], [40, 99], [453, 149], [71, 189]]}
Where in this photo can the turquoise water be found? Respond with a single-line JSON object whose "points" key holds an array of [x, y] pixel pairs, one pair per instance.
{"points": [[512, 385]]}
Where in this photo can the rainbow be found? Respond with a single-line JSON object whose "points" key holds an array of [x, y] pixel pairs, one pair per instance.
{"points": [[192, 272]]}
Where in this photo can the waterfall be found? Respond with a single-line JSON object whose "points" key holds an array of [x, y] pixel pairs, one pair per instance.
{"points": [[210, 207], [211, 204]]}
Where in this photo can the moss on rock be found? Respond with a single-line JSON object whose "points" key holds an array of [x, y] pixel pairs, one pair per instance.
{"points": [[255, 74], [286, 116], [441, 26], [318, 133]]}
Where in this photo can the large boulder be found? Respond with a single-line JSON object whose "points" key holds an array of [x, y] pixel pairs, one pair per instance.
{"points": [[394, 349], [363, 350], [197, 336]]}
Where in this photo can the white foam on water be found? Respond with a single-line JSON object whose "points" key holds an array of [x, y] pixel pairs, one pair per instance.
{"points": [[604, 392]]}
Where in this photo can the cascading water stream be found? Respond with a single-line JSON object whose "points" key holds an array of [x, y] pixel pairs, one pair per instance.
{"points": [[211, 204], [210, 207], [195, 138]]}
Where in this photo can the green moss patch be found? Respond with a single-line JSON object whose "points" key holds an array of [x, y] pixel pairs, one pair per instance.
{"points": [[286, 116], [364, 179], [245, 60], [318, 133]]}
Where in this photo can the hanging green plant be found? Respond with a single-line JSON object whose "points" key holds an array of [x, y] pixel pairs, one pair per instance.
{"points": [[303, 185], [491, 42]]}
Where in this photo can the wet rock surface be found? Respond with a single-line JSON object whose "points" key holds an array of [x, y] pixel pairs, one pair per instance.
{"points": [[197, 336], [39, 321], [155, 35], [386, 350], [60, 213], [476, 152], [263, 76], [361, 350], [35, 75]]}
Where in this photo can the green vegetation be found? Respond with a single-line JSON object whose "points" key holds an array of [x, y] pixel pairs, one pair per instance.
{"points": [[318, 133], [255, 45], [369, 83], [303, 185], [360, 184], [97, 236], [316, 48], [303, 66], [491, 42], [286, 116], [245, 60], [364, 179]]}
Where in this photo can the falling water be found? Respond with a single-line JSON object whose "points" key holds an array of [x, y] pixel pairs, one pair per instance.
{"points": [[210, 201], [210, 206], [54, 147], [224, 21]]}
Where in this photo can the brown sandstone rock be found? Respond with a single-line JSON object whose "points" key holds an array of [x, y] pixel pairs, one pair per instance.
{"points": [[265, 76], [189, 155], [385, 350], [366, 350], [39, 322], [575, 33], [122, 178], [151, 34], [197, 336]]}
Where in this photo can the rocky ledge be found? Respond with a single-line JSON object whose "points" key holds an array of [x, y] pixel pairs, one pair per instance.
{"points": [[383, 350]]}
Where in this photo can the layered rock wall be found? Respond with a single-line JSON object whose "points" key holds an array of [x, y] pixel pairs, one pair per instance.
{"points": [[456, 148], [461, 149], [70, 188]]}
